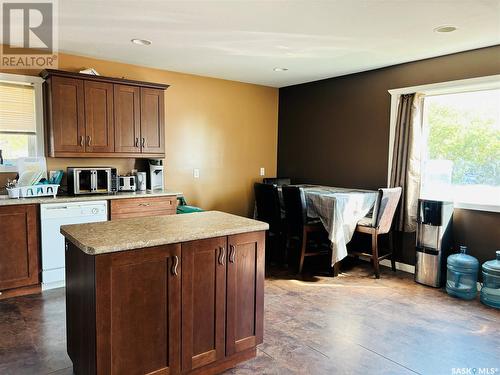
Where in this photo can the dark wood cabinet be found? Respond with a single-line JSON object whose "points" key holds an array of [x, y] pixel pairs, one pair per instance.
{"points": [[194, 307], [245, 292], [103, 116], [130, 322], [66, 113], [127, 118], [19, 246], [203, 302], [152, 120], [99, 121]]}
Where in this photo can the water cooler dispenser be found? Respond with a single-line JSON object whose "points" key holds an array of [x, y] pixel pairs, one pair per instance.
{"points": [[434, 241]]}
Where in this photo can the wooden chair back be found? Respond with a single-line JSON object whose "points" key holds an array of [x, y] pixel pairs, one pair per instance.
{"points": [[294, 199], [277, 181], [388, 203], [268, 205]]}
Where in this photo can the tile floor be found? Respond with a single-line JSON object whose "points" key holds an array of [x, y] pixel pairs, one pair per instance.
{"points": [[352, 324]]}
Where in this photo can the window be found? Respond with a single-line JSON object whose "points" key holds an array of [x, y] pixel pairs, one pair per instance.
{"points": [[21, 124], [461, 148]]}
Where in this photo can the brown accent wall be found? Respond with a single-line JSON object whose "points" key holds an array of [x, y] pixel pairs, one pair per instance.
{"points": [[336, 132], [226, 129]]}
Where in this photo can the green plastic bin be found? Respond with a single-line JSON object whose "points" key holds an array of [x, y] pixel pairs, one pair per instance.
{"points": [[184, 208]]}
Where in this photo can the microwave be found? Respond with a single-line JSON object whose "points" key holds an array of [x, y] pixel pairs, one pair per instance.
{"points": [[91, 180]]}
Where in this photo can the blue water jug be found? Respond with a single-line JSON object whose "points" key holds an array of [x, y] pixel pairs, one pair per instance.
{"points": [[490, 292], [461, 278]]}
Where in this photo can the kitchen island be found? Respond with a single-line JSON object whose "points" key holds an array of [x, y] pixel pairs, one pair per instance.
{"points": [[164, 295]]}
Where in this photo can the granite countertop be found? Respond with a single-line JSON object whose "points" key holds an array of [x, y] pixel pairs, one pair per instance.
{"points": [[135, 233], [6, 201]]}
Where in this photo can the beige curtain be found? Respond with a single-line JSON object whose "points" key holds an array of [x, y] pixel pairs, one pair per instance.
{"points": [[405, 168]]}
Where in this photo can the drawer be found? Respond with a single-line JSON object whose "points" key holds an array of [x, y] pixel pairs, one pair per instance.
{"points": [[140, 207]]}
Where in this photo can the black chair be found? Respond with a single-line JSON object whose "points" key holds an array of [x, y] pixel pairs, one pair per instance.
{"points": [[277, 181], [300, 227], [269, 211]]}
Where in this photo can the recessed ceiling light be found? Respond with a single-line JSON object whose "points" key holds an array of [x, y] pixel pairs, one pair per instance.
{"points": [[142, 42], [445, 29], [280, 69]]}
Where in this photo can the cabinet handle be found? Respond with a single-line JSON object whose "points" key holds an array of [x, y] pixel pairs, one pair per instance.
{"points": [[89, 140], [145, 204], [137, 142], [222, 255], [174, 265], [81, 140], [143, 142], [232, 253]]}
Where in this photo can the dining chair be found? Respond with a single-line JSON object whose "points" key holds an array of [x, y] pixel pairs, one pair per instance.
{"points": [[300, 227], [380, 223], [277, 181], [269, 210]]}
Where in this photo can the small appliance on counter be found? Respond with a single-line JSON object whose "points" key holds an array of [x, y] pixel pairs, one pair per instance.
{"points": [[155, 175], [126, 183], [434, 241], [490, 291], [462, 275], [91, 180], [141, 181]]}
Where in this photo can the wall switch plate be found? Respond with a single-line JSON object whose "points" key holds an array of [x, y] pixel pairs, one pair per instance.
{"points": [[262, 171], [196, 173]]}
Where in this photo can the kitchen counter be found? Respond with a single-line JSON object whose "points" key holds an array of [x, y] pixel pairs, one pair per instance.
{"points": [[6, 201], [134, 233], [179, 294]]}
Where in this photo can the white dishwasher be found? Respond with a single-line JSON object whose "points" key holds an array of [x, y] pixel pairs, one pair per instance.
{"points": [[52, 216]]}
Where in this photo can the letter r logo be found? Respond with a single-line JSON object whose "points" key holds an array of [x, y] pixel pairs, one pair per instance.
{"points": [[27, 26]]}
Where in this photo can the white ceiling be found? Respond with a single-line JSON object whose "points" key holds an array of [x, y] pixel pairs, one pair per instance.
{"points": [[245, 40]]}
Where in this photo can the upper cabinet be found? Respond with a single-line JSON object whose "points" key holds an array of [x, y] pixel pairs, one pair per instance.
{"points": [[66, 115], [152, 119], [103, 117]]}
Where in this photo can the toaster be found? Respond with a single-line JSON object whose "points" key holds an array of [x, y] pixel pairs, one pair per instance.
{"points": [[126, 183]]}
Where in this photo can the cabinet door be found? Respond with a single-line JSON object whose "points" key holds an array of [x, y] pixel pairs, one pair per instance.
{"points": [[245, 291], [127, 118], [99, 127], [203, 302], [152, 120], [66, 116], [138, 311], [19, 261]]}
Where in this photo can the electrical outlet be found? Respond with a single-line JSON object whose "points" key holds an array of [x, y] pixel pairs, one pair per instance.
{"points": [[262, 171], [196, 173]]}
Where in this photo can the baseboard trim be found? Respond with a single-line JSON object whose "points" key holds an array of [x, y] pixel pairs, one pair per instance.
{"points": [[399, 266]]}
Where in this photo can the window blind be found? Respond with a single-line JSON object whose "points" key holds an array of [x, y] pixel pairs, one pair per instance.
{"points": [[17, 108]]}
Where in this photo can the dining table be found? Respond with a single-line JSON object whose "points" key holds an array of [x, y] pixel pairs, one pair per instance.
{"points": [[339, 210]]}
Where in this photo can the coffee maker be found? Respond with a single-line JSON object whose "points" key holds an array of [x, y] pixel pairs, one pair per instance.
{"points": [[155, 174]]}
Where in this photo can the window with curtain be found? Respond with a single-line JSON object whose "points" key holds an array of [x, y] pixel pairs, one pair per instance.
{"points": [[18, 128], [461, 147]]}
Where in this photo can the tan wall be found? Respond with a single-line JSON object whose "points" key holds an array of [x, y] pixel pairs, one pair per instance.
{"points": [[226, 129]]}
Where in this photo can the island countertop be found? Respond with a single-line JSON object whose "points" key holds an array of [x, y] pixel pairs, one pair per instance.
{"points": [[135, 233]]}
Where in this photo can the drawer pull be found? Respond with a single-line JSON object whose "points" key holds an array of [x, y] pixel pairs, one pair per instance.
{"points": [[145, 204], [232, 253], [174, 265], [222, 255]]}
